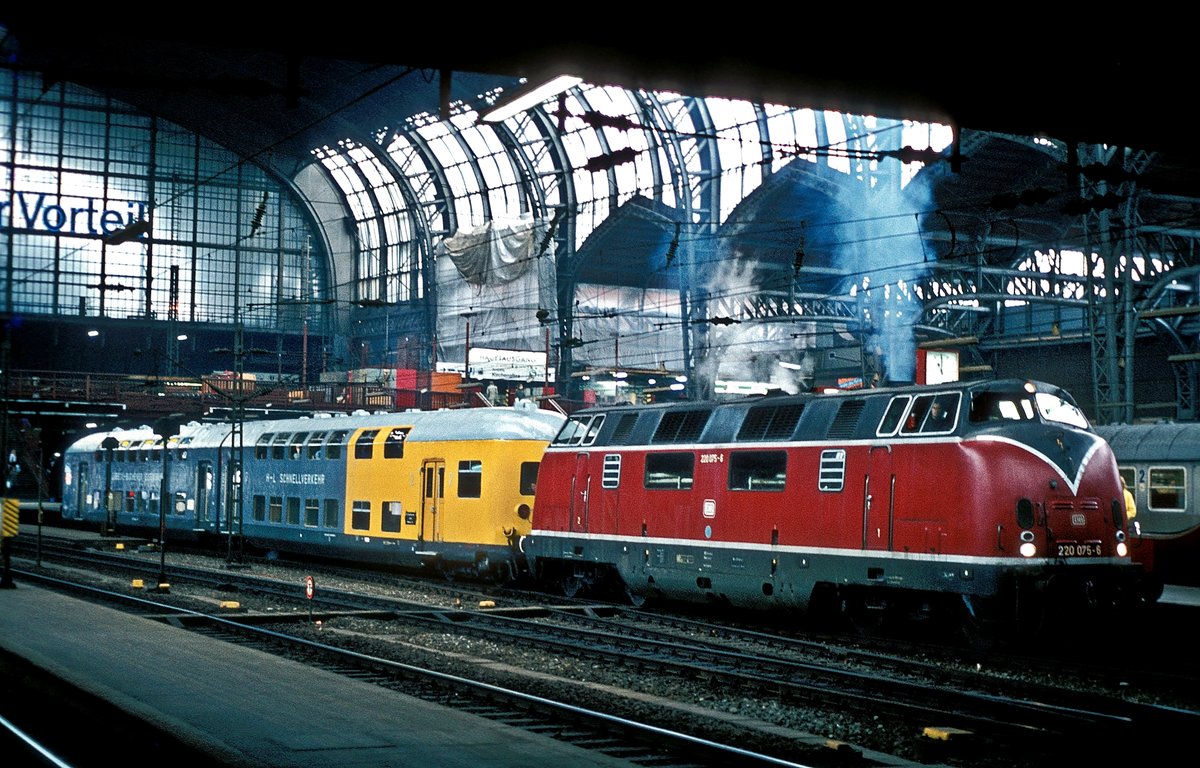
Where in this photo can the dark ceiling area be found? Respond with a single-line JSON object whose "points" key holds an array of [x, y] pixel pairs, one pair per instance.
{"points": [[258, 89]]}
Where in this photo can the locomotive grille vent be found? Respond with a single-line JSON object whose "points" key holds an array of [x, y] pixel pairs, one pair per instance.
{"points": [[833, 470], [1090, 504], [611, 477], [622, 430], [845, 424], [681, 426], [771, 422]]}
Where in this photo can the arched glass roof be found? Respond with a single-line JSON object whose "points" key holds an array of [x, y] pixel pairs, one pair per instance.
{"points": [[577, 160]]}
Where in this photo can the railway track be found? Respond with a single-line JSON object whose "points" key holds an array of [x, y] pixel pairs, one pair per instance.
{"points": [[929, 708], [634, 742]]}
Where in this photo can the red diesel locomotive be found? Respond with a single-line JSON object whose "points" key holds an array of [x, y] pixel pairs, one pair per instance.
{"points": [[996, 500]]}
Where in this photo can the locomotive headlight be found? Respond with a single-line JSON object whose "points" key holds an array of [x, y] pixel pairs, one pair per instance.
{"points": [[1122, 550], [1028, 549]]}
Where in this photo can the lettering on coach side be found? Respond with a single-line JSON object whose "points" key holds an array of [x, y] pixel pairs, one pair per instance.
{"points": [[296, 478]]}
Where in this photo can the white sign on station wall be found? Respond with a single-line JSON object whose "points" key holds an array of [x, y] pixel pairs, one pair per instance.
{"points": [[511, 364]]}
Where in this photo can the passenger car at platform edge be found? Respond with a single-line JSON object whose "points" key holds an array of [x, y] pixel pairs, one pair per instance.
{"points": [[1161, 465], [449, 489], [1008, 510]]}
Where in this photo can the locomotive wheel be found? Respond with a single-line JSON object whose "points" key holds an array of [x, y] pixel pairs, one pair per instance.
{"points": [[979, 622], [571, 586], [867, 614]]}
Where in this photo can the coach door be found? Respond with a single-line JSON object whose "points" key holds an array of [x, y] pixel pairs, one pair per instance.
{"points": [[82, 492], [204, 481], [878, 500], [433, 485], [229, 516], [581, 487]]}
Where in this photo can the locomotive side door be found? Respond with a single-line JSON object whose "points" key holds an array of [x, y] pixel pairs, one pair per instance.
{"points": [[878, 502], [433, 487], [581, 486]]}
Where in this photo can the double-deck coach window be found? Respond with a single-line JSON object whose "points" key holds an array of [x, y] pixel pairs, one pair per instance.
{"points": [[393, 447], [365, 444], [335, 447], [529, 474], [470, 479], [314, 446]]}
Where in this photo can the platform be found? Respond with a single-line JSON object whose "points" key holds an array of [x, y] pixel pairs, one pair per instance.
{"points": [[244, 707]]}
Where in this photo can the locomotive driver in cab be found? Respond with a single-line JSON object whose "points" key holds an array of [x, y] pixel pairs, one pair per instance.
{"points": [[938, 419]]}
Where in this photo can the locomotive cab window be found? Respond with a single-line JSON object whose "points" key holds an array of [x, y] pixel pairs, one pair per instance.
{"points": [[1167, 489], [1055, 408], [757, 470], [942, 415], [894, 415], [1000, 406], [580, 431], [570, 430], [916, 414]]}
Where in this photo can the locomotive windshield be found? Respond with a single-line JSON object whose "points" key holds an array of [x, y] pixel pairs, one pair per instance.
{"points": [[1022, 406], [1054, 408]]}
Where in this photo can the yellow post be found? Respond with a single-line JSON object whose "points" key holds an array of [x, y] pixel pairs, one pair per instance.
{"points": [[10, 524]]}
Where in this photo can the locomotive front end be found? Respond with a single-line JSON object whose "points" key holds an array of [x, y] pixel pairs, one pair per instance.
{"points": [[1059, 502]]}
